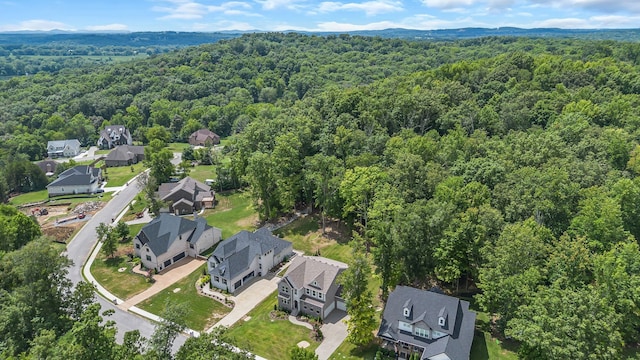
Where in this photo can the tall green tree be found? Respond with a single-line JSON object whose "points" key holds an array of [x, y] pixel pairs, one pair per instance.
{"points": [[213, 345], [166, 331], [323, 174]]}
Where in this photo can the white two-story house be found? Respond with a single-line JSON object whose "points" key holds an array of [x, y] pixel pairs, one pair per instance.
{"points": [[168, 239]]}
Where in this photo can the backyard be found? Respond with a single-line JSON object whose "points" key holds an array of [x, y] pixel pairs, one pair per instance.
{"points": [[267, 337], [203, 311], [203, 172], [234, 212]]}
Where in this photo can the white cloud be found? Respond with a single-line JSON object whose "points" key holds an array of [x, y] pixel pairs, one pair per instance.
{"points": [[594, 22], [336, 26], [37, 25], [275, 4], [448, 4], [368, 7], [109, 27], [604, 6], [186, 9]]}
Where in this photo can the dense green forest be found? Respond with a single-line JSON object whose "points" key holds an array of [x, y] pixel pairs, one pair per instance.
{"points": [[500, 167]]}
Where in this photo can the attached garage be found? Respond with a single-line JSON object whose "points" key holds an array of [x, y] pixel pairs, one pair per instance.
{"points": [[341, 304], [179, 256]]}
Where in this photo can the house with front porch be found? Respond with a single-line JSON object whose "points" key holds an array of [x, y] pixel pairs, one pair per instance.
{"points": [[244, 256], [309, 287], [431, 324], [168, 239]]}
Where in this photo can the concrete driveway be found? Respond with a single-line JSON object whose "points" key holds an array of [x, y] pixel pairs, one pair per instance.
{"points": [[334, 329], [248, 299]]}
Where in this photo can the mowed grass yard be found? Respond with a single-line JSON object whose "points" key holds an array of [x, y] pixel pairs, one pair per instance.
{"points": [[234, 212], [122, 284], [203, 311], [43, 195], [270, 338], [118, 176], [203, 172]]}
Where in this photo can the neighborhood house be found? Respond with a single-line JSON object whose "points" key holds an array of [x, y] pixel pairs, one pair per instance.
{"points": [[186, 196], [244, 256], [63, 148], [204, 137], [48, 167], [309, 287], [433, 325], [114, 135], [80, 179], [168, 239], [124, 155]]}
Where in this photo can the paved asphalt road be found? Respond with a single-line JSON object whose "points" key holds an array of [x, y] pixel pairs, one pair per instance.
{"points": [[80, 247]]}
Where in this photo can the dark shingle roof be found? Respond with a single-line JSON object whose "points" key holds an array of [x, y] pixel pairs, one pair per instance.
{"points": [[188, 184], [427, 307], [162, 231], [236, 253], [78, 175], [124, 153]]}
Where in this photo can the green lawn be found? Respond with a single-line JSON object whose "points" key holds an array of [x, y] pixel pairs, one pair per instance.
{"points": [[485, 346], [203, 172], [118, 176], [30, 197], [203, 311], [177, 147], [348, 351], [234, 212], [43, 195], [266, 337], [132, 210], [103, 152], [122, 284]]}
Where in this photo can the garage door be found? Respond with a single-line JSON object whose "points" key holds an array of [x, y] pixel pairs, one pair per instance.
{"points": [[341, 305], [179, 256]]}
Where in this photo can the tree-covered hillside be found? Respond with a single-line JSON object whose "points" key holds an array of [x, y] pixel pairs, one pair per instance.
{"points": [[502, 167]]}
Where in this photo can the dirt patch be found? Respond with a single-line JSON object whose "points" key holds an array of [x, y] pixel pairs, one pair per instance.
{"points": [[250, 221], [60, 234]]}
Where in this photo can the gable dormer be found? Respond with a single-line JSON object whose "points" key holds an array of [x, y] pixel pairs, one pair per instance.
{"points": [[407, 308], [443, 317]]}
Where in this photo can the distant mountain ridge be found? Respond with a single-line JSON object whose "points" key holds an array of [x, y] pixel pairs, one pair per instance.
{"points": [[182, 39]]}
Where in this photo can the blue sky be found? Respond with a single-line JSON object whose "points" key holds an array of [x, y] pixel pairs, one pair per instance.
{"points": [[336, 15]]}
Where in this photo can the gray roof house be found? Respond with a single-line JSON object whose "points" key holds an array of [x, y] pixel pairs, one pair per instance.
{"points": [[168, 239], [124, 155], [186, 196], [244, 256], [80, 179], [114, 135], [63, 148], [434, 325], [309, 287]]}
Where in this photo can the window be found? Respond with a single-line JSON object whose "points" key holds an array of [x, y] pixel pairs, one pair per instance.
{"points": [[406, 312], [307, 290], [216, 278], [137, 246], [285, 289], [259, 266], [441, 321], [422, 332], [314, 293], [191, 246], [148, 258], [224, 281]]}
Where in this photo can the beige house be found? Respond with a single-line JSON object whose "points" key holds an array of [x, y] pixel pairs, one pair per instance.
{"points": [[309, 287], [186, 196]]}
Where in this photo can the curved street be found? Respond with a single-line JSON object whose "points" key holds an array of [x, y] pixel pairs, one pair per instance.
{"points": [[80, 248]]}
